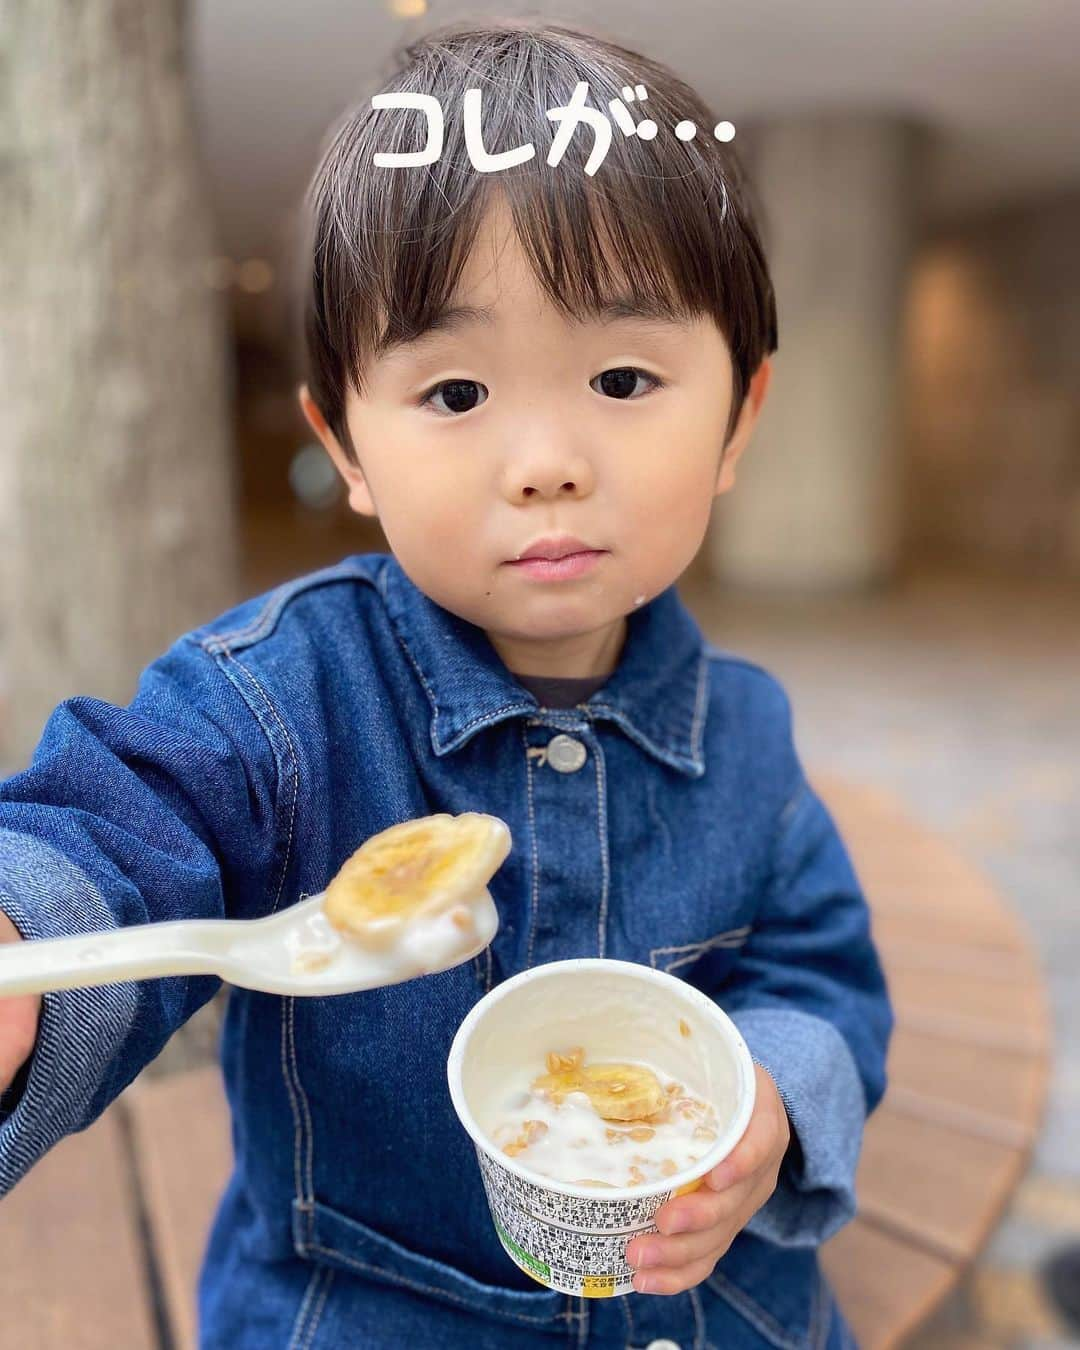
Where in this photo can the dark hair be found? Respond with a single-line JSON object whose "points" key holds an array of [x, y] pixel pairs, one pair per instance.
{"points": [[384, 248]]}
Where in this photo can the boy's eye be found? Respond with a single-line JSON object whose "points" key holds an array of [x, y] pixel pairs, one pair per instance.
{"points": [[459, 396], [620, 382]]}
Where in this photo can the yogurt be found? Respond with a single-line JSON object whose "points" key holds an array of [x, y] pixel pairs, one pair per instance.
{"points": [[570, 1141], [299, 951], [428, 943]]}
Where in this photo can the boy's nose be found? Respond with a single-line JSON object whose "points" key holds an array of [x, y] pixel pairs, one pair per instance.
{"points": [[569, 488], [553, 475]]}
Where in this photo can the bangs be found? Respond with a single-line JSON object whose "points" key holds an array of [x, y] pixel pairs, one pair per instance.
{"points": [[663, 227]]}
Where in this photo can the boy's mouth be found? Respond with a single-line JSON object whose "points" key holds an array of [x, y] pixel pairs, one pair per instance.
{"points": [[562, 568], [554, 547]]}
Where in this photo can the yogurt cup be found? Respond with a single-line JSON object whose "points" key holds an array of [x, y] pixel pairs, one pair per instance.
{"points": [[569, 1237]]}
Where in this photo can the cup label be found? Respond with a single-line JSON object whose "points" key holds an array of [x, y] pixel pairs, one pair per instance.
{"points": [[574, 1244]]}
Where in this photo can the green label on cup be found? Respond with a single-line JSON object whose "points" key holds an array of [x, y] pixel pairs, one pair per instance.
{"points": [[537, 1268]]}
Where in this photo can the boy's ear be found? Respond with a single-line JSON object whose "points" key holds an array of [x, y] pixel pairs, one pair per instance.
{"points": [[744, 425], [360, 498]]}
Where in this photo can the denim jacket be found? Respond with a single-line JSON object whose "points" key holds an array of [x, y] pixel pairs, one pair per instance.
{"points": [[257, 754]]}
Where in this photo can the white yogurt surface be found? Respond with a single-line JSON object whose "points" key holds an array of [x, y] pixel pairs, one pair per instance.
{"points": [[571, 1142], [310, 949]]}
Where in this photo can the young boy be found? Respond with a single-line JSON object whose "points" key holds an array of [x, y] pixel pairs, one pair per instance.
{"points": [[525, 364]]}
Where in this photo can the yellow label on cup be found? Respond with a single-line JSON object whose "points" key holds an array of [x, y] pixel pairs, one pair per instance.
{"points": [[597, 1286], [690, 1186]]}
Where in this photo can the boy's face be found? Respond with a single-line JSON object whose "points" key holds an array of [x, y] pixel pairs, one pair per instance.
{"points": [[478, 441]]}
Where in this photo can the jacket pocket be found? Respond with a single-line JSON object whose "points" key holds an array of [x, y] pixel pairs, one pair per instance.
{"points": [[721, 948], [327, 1237]]}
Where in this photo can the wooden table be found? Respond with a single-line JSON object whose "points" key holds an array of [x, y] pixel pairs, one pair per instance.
{"points": [[101, 1244]]}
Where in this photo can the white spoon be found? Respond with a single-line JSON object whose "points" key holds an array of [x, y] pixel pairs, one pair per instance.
{"points": [[294, 952]]}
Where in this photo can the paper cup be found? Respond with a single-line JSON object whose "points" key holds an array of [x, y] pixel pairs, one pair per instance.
{"points": [[567, 1237]]}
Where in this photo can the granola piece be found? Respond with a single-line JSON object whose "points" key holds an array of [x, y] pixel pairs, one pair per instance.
{"points": [[529, 1132], [568, 1063]]}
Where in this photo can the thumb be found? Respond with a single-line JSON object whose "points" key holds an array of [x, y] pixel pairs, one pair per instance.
{"points": [[18, 1019]]}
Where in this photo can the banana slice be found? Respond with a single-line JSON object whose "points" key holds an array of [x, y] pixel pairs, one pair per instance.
{"points": [[616, 1091], [417, 869]]}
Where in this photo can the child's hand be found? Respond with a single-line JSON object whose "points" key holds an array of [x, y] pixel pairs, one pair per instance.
{"points": [[18, 1019], [708, 1219]]}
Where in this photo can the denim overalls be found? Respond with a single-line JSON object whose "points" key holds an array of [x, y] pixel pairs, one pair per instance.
{"points": [[665, 821]]}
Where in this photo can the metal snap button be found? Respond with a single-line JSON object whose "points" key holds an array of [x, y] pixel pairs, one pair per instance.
{"points": [[566, 754], [663, 1344]]}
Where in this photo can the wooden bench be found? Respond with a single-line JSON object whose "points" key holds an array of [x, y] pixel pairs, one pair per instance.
{"points": [[101, 1244]]}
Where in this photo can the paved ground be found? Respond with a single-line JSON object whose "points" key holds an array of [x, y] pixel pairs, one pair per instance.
{"points": [[962, 695]]}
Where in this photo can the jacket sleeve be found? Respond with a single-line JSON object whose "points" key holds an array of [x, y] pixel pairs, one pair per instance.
{"points": [[165, 809], [809, 997]]}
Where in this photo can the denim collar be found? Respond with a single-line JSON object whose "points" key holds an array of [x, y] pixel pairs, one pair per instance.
{"points": [[657, 694]]}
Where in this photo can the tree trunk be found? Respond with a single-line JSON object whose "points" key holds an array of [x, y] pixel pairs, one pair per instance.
{"points": [[116, 475]]}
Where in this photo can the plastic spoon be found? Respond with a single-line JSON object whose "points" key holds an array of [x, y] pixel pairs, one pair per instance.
{"points": [[294, 952]]}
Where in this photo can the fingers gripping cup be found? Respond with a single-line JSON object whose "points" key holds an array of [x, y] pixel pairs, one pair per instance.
{"points": [[568, 1236]]}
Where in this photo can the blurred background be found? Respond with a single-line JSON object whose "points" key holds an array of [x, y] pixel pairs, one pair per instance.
{"points": [[903, 548]]}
